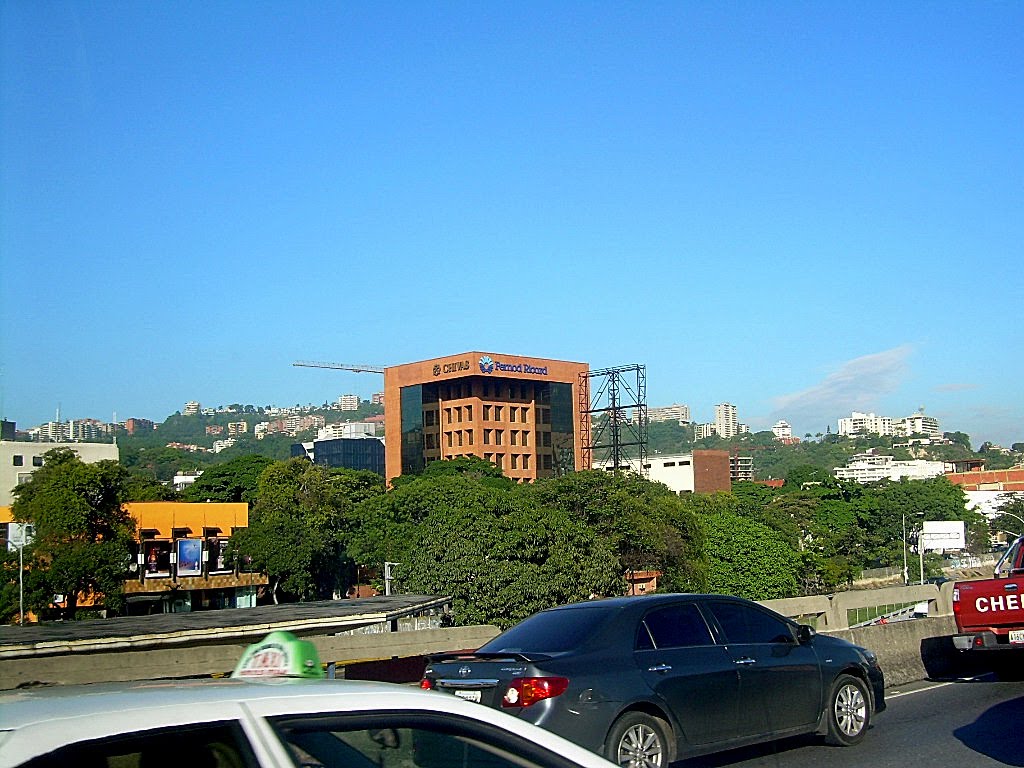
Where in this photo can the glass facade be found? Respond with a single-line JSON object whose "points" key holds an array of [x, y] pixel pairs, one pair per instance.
{"points": [[563, 441], [412, 430], [351, 453]]}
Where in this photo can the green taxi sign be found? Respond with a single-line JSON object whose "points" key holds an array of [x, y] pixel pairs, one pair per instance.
{"points": [[280, 654]]}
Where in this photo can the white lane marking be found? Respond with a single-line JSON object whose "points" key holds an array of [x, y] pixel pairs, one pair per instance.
{"points": [[898, 694]]}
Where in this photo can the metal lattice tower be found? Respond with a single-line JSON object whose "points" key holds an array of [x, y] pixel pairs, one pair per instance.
{"points": [[613, 410]]}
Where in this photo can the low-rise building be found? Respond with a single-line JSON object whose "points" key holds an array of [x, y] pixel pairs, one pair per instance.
{"points": [[181, 560], [19, 460], [696, 472], [871, 467]]}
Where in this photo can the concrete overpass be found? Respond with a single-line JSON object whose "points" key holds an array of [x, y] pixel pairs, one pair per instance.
{"points": [[385, 638]]}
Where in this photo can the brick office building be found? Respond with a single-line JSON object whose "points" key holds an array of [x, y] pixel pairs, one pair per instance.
{"points": [[520, 413]]}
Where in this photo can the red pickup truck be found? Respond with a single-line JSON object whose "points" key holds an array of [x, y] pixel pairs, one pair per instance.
{"points": [[990, 612]]}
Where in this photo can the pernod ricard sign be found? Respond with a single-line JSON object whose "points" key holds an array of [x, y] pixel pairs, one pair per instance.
{"points": [[488, 365]]}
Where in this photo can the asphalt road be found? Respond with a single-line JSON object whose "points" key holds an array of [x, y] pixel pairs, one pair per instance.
{"points": [[966, 724]]}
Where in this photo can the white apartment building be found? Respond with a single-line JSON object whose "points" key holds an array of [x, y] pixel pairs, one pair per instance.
{"points": [[919, 424], [871, 467], [348, 403], [675, 412], [223, 445], [183, 480], [782, 430], [347, 429], [700, 431], [238, 427], [726, 421], [191, 408], [19, 460], [866, 424]]}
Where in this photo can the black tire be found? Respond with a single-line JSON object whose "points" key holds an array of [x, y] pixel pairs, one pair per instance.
{"points": [[639, 740], [849, 711]]}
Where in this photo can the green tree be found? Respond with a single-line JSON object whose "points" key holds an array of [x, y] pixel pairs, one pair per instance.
{"points": [[748, 559], [83, 535], [502, 558], [1009, 516], [298, 528], [235, 480], [646, 524], [140, 486]]}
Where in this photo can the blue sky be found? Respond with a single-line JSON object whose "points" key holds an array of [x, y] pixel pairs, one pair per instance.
{"points": [[804, 209]]}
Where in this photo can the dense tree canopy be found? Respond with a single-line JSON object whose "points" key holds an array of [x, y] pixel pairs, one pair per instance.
{"points": [[748, 559], [233, 481], [298, 527], [83, 535]]}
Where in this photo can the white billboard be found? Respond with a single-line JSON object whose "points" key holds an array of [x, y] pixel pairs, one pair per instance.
{"points": [[943, 534]]}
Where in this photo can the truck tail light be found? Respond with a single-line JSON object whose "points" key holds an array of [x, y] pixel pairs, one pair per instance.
{"points": [[427, 684], [524, 691]]}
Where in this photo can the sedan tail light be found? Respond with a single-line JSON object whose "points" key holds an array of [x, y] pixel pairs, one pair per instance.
{"points": [[524, 691], [427, 684]]}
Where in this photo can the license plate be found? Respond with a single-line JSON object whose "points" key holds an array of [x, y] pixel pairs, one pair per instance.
{"points": [[475, 695], [1017, 636]]}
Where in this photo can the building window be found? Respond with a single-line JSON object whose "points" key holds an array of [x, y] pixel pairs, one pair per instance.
{"points": [[526, 438], [513, 437], [526, 461], [487, 436], [429, 442], [37, 461], [448, 438], [469, 436], [18, 460], [459, 433], [497, 413], [547, 461], [429, 417], [487, 413], [515, 461], [547, 439], [469, 413], [498, 433], [447, 415]]}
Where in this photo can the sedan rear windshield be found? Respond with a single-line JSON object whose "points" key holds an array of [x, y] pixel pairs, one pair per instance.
{"points": [[549, 632]]}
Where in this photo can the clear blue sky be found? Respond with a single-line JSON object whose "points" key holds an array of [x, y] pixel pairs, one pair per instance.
{"points": [[803, 209]]}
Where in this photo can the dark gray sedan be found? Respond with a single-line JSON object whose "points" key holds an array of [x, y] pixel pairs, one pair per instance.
{"points": [[646, 680]]}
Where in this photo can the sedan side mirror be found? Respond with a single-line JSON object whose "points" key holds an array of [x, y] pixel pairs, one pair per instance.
{"points": [[805, 633]]}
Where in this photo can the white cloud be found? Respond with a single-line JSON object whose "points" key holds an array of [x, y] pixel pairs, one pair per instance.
{"points": [[857, 385]]}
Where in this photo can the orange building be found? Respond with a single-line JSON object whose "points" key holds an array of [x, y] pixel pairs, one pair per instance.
{"points": [[181, 559], [520, 413]]}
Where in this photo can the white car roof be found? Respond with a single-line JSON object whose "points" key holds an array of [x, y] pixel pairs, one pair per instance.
{"points": [[36, 721]]}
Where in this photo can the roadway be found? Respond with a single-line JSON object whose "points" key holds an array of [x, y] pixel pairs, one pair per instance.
{"points": [[971, 723]]}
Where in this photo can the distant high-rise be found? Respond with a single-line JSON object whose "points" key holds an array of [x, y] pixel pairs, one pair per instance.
{"points": [[191, 408], [348, 403], [726, 421]]}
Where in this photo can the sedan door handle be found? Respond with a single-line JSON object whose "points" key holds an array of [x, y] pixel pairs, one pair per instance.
{"points": [[746, 660], [660, 668]]}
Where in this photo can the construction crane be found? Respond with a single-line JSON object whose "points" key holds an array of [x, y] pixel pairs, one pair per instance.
{"points": [[340, 366]]}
